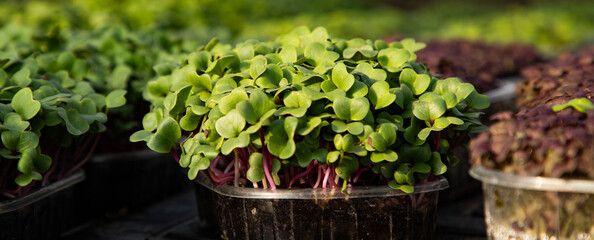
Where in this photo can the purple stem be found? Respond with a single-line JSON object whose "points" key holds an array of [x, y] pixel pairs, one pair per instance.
{"points": [[307, 171], [267, 173], [229, 166], [213, 165], [326, 175], [319, 177], [358, 174], [175, 155], [266, 162], [333, 175]]}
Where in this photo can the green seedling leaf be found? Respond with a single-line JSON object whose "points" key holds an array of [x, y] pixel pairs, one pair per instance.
{"points": [[119, 77], [296, 104], [200, 82], [393, 59], [24, 104], [429, 107], [455, 86], [341, 78], [22, 78], [332, 156], [380, 95], [405, 188], [256, 171], [230, 125], [478, 101], [351, 109], [346, 167], [3, 77], [228, 103], [245, 51], [28, 140], [417, 83], [312, 124], [258, 66], [441, 123], [23, 179], [240, 141], [338, 126], [74, 123], [579, 104], [199, 60], [365, 51], [168, 134], [115, 99], [316, 52], [306, 153], [288, 54], [271, 78], [437, 166], [408, 153], [388, 132], [372, 75], [281, 142], [343, 143], [421, 168], [355, 128], [142, 135], [378, 142], [388, 155], [189, 122]]}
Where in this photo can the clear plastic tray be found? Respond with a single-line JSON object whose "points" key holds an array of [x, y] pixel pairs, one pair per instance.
{"points": [[522, 207], [43, 214], [363, 213], [18, 203], [318, 193]]}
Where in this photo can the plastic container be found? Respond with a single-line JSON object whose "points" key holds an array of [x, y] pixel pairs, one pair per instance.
{"points": [[130, 180], [520, 207], [364, 213], [43, 214]]}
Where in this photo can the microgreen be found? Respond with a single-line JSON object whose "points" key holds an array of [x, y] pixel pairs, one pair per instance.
{"points": [[307, 110]]}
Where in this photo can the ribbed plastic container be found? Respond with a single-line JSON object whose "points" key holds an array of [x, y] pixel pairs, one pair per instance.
{"points": [[521, 207], [364, 213], [43, 214]]}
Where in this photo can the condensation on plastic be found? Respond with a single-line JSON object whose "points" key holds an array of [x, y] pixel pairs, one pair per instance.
{"points": [[18, 203], [522, 207], [318, 193]]}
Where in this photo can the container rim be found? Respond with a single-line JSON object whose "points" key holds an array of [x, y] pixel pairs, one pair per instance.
{"points": [[17, 203], [318, 193], [500, 178]]}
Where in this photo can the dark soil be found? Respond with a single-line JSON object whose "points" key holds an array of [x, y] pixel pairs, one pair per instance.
{"points": [[355, 218]]}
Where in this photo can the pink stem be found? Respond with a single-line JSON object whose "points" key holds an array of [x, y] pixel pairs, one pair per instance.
{"points": [[326, 175], [307, 171], [266, 162], [333, 175], [358, 174], [175, 155], [229, 166], [319, 177], [267, 173]]}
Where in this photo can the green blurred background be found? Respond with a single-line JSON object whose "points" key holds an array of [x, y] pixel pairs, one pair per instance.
{"points": [[550, 26]]}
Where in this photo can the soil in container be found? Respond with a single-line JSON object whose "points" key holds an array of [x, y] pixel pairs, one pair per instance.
{"points": [[365, 213]]}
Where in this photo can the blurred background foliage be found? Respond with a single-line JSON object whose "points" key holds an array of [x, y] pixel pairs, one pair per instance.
{"points": [[550, 26]]}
